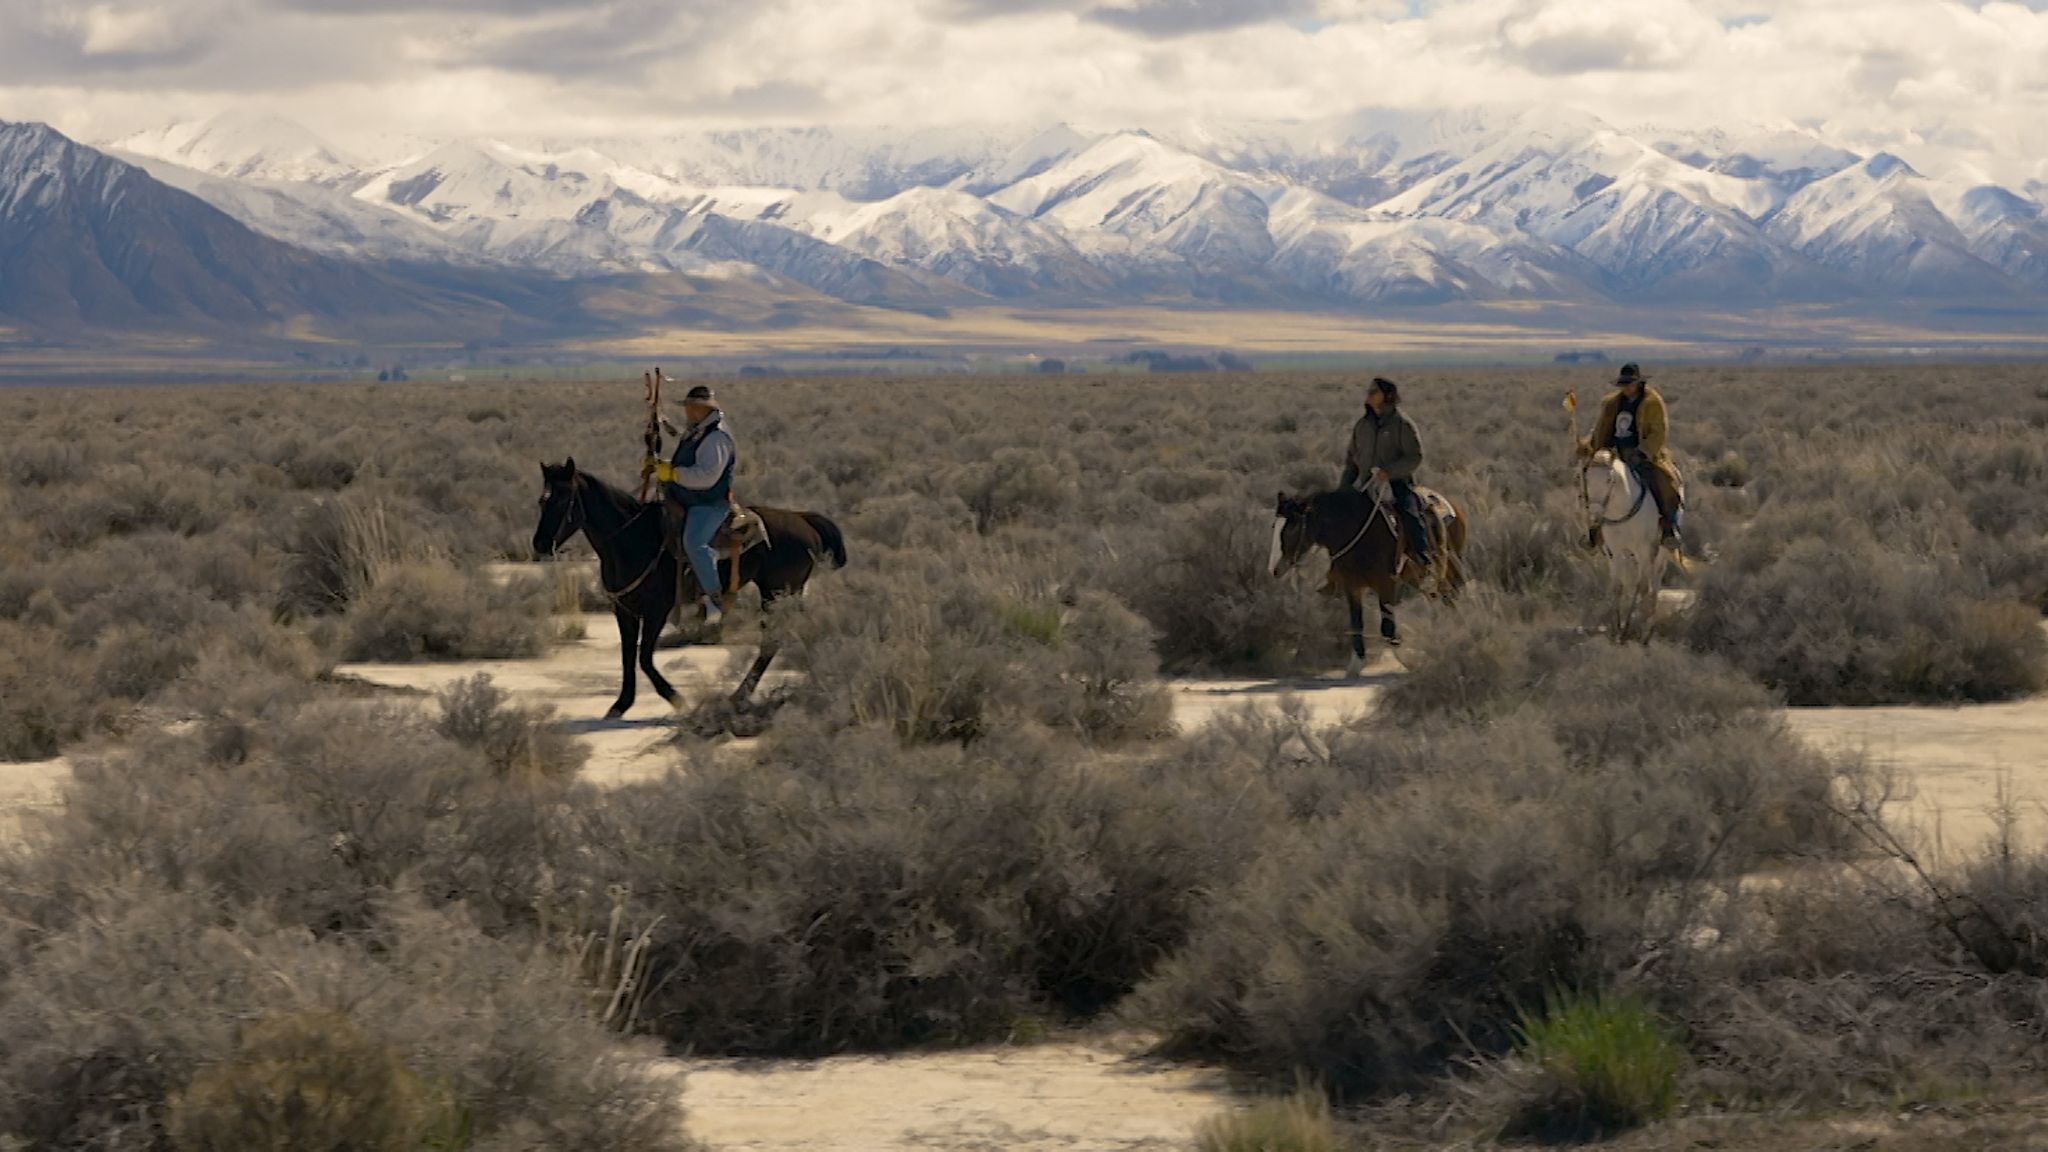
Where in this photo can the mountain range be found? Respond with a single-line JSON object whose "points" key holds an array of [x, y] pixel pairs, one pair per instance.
{"points": [[253, 223]]}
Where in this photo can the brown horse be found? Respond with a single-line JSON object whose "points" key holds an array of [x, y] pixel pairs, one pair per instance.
{"points": [[638, 572], [1363, 538]]}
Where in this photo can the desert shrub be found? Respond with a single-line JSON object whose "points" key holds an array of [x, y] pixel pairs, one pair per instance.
{"points": [[45, 700], [315, 813], [847, 891], [938, 652], [1837, 621], [1013, 483], [1729, 470], [1370, 950], [513, 740], [434, 612], [1598, 1064], [1297, 1123], [146, 1024], [1851, 989], [1202, 581], [340, 549], [311, 1080], [1541, 554]]}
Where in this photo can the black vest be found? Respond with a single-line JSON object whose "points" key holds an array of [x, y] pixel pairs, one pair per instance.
{"points": [[685, 456], [1628, 433]]}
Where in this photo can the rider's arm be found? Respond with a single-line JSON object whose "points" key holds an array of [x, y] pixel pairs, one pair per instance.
{"points": [[1350, 479], [712, 457]]}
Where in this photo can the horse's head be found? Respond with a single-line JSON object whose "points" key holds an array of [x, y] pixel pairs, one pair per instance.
{"points": [[1600, 473], [1290, 532], [561, 513]]}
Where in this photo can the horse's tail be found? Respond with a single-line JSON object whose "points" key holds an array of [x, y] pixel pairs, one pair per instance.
{"points": [[829, 534]]}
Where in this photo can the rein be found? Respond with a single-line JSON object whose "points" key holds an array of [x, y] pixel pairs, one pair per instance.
{"points": [[1339, 554], [597, 543], [1586, 499]]}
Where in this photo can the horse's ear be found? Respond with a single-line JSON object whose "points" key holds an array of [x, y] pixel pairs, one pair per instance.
{"points": [[570, 464]]}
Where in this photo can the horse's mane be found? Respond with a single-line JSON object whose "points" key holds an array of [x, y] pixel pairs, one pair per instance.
{"points": [[1343, 500], [624, 501]]}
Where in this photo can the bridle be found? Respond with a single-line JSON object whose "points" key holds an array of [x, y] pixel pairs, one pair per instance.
{"points": [[1599, 516], [573, 521]]}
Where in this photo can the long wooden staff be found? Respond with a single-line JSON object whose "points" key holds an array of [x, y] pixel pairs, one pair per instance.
{"points": [[652, 438]]}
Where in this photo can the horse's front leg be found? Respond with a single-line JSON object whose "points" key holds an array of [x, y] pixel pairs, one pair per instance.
{"points": [[1355, 601], [629, 645], [650, 636]]}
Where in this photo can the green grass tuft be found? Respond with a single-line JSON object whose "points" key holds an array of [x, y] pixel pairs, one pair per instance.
{"points": [[1603, 1064]]}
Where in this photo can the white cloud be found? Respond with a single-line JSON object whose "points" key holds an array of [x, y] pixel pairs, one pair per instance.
{"points": [[1942, 81]]}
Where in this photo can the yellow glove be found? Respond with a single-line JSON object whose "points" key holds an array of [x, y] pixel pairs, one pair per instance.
{"points": [[661, 469]]}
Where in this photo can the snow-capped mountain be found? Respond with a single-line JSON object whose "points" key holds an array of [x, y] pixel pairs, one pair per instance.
{"points": [[1370, 207], [243, 146], [90, 242], [1877, 222]]}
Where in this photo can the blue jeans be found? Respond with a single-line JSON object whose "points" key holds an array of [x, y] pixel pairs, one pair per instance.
{"points": [[1409, 506], [698, 530]]}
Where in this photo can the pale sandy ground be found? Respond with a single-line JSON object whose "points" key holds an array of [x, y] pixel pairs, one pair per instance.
{"points": [[1091, 1095], [1954, 763], [1098, 1096]]}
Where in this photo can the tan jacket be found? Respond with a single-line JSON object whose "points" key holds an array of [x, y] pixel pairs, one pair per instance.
{"points": [[1653, 427]]}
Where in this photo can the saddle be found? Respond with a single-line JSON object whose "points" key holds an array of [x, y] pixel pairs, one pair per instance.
{"points": [[1438, 514], [742, 531]]}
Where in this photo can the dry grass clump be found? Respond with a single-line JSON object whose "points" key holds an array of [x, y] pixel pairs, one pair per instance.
{"points": [[1297, 1123], [437, 612]]}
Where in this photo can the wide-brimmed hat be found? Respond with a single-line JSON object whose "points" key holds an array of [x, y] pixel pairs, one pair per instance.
{"points": [[701, 394], [1631, 374]]}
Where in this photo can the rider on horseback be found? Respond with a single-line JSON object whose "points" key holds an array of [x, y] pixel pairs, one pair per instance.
{"points": [[1633, 424], [698, 483], [1386, 449]]}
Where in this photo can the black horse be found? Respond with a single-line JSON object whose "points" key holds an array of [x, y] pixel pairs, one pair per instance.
{"points": [[638, 574], [1365, 545]]}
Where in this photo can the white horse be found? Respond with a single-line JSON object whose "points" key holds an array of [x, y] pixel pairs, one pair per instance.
{"points": [[1622, 522]]}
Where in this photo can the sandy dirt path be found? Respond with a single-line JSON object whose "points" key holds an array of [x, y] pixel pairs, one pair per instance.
{"points": [[1093, 1096], [1955, 761]]}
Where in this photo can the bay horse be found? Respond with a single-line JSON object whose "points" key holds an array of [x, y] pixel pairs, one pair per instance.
{"points": [[638, 572], [1363, 537], [1621, 520]]}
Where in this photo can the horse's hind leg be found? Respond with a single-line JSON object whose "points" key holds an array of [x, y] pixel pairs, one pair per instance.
{"points": [[629, 644], [769, 648]]}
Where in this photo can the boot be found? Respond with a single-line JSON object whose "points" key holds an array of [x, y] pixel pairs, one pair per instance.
{"points": [[714, 614]]}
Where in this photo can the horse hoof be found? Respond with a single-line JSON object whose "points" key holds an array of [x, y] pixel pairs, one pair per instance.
{"points": [[617, 710]]}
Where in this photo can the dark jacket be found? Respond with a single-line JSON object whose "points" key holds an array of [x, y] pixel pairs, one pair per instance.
{"points": [[1388, 440]]}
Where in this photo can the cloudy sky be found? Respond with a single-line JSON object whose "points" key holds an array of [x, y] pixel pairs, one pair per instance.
{"points": [[1949, 84]]}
